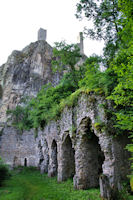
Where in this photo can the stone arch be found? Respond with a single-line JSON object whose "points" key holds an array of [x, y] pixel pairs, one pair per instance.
{"points": [[67, 160], [88, 157], [53, 162], [25, 162]]}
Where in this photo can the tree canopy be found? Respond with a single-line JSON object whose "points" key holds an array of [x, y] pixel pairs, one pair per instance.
{"points": [[107, 22], [65, 56]]}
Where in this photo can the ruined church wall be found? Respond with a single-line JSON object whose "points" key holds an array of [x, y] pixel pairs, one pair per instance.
{"points": [[16, 147]]}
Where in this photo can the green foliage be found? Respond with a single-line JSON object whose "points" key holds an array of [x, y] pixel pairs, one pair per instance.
{"points": [[46, 106], [29, 184], [92, 73], [126, 34], [131, 183], [99, 126], [106, 22], [122, 65], [20, 117], [124, 193], [65, 56], [94, 78], [4, 172]]}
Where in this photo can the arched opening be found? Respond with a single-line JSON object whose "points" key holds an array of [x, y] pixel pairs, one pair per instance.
{"points": [[89, 158], [54, 162], [68, 159], [25, 162]]}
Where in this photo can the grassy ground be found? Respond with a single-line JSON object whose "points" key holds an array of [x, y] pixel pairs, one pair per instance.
{"points": [[31, 185]]}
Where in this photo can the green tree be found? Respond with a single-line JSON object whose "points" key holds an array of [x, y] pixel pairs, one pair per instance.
{"points": [[4, 172], [65, 56], [123, 67], [106, 22], [20, 115], [94, 78]]}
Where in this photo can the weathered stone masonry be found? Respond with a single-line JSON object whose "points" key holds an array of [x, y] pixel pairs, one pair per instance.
{"points": [[84, 154]]}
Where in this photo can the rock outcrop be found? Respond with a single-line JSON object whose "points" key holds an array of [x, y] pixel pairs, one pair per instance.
{"points": [[79, 145], [24, 74]]}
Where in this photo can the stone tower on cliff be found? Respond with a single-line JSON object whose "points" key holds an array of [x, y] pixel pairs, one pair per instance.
{"points": [[42, 34], [81, 43]]}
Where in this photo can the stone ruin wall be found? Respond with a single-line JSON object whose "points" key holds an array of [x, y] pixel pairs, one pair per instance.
{"points": [[73, 147]]}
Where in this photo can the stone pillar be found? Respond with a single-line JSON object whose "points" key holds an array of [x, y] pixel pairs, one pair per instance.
{"points": [[114, 171], [42, 34], [66, 160], [44, 157], [86, 161], [81, 44]]}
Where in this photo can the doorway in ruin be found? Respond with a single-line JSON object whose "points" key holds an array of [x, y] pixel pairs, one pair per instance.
{"points": [[89, 157], [54, 162], [68, 160], [25, 162]]}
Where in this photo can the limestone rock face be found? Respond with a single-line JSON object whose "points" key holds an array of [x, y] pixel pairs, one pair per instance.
{"points": [[24, 74]]}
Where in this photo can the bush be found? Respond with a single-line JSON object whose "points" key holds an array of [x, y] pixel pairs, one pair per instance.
{"points": [[4, 172]]}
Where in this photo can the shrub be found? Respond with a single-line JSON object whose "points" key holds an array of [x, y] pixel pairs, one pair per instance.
{"points": [[4, 172]]}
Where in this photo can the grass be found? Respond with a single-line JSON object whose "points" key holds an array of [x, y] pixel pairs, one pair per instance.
{"points": [[31, 185]]}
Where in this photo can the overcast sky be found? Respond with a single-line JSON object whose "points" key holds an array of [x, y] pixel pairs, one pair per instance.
{"points": [[20, 21]]}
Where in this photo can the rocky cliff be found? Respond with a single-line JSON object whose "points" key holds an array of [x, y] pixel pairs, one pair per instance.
{"points": [[77, 145], [24, 74]]}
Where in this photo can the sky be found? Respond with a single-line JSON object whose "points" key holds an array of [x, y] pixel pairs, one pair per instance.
{"points": [[20, 21]]}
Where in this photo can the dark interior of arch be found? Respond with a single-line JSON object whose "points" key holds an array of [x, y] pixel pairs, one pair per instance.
{"points": [[54, 158], [68, 159], [95, 141], [91, 156], [25, 162]]}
